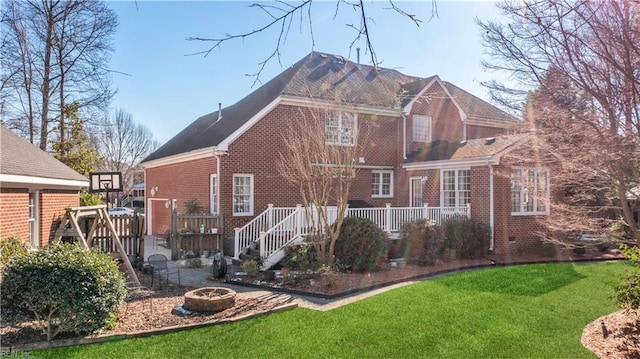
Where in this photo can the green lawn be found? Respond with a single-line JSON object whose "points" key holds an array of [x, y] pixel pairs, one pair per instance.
{"points": [[532, 311]]}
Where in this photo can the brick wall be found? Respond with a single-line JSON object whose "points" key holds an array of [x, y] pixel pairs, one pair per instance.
{"points": [[52, 208], [474, 131], [14, 206]]}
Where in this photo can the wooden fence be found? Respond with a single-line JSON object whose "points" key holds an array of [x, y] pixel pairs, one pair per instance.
{"points": [[194, 235], [130, 230]]}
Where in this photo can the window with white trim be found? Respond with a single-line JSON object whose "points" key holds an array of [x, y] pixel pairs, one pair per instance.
{"points": [[242, 195], [455, 188], [340, 128], [421, 128], [529, 191], [214, 193], [381, 183]]}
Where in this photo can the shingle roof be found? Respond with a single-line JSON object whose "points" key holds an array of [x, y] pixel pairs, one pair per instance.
{"points": [[476, 108], [317, 76], [21, 158], [476, 148]]}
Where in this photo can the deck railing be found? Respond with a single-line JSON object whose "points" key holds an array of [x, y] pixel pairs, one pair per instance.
{"points": [[250, 232]]}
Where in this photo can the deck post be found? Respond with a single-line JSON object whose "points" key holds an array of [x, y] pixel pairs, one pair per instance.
{"points": [[387, 225], [298, 220], [270, 214], [236, 247]]}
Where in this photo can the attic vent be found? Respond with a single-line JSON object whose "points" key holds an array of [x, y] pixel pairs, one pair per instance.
{"points": [[490, 141]]}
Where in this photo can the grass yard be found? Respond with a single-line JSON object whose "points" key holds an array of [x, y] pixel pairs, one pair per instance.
{"points": [[529, 311]]}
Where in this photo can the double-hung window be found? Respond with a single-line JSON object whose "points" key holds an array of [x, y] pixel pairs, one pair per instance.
{"points": [[381, 183], [421, 128], [455, 187], [529, 191], [213, 184], [340, 128], [242, 195]]}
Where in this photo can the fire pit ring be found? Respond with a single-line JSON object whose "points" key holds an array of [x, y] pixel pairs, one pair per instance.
{"points": [[209, 299]]}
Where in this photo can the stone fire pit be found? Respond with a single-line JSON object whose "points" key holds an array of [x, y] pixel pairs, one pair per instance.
{"points": [[209, 299]]}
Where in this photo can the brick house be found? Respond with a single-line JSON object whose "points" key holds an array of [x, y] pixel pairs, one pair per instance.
{"points": [[432, 143], [35, 189]]}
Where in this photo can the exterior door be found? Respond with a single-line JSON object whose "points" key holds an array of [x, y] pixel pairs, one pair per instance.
{"points": [[415, 192]]}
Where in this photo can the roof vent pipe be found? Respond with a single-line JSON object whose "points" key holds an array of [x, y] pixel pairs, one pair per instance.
{"points": [[219, 111], [358, 55]]}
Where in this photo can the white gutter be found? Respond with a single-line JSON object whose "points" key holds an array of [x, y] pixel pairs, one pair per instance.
{"points": [[404, 136], [455, 163], [331, 105], [181, 157], [7, 180], [217, 154], [491, 207]]}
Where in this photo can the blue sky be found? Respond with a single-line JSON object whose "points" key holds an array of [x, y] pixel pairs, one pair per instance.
{"points": [[165, 89]]}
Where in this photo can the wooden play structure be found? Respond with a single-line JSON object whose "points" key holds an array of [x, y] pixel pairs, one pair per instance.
{"points": [[71, 228]]}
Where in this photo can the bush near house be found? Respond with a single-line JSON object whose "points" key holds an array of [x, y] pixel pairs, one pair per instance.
{"points": [[10, 248], [361, 245], [420, 243], [424, 242], [469, 237], [66, 288]]}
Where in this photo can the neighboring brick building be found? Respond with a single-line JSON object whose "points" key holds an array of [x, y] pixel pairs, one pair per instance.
{"points": [[428, 133], [35, 188]]}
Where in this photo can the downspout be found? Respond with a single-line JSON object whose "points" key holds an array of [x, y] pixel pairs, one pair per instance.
{"points": [[404, 136], [491, 205]]}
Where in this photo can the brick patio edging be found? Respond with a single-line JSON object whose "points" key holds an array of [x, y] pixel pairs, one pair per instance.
{"points": [[139, 334]]}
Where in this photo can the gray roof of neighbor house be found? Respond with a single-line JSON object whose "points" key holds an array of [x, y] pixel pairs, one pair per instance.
{"points": [[317, 76], [18, 157], [476, 148]]}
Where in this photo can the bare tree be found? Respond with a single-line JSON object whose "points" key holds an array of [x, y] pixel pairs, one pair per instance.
{"points": [[283, 15], [122, 144], [323, 163], [54, 53], [584, 60]]}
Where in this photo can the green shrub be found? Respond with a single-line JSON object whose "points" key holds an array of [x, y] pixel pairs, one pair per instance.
{"points": [[300, 257], [10, 248], [621, 231], [66, 288], [545, 249], [361, 245], [627, 294], [469, 237], [251, 267], [628, 291], [420, 242]]}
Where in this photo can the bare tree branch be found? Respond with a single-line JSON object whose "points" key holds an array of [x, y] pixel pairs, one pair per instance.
{"points": [[281, 15]]}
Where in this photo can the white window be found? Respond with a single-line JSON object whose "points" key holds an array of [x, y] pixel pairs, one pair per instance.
{"points": [[529, 191], [242, 195], [421, 128], [34, 235], [340, 128], [213, 184], [455, 188], [381, 183]]}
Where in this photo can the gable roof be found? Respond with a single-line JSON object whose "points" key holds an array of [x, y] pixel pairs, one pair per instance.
{"points": [[471, 151], [23, 163], [479, 110], [317, 77]]}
